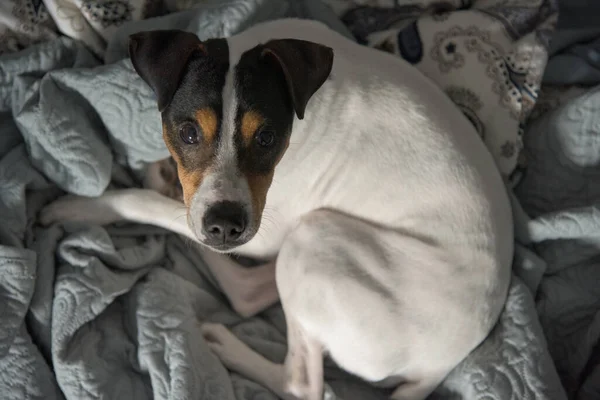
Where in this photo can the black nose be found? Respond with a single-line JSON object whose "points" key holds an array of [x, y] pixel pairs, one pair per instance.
{"points": [[224, 222]]}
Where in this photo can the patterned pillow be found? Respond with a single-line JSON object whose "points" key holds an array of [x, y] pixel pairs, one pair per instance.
{"points": [[488, 56]]}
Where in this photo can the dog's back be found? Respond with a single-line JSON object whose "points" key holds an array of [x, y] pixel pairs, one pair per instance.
{"points": [[388, 148], [389, 220], [383, 143]]}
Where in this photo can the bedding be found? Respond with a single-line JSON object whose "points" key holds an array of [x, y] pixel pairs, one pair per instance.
{"points": [[90, 312]]}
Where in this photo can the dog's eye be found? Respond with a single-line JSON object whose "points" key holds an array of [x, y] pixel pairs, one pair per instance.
{"points": [[189, 133], [265, 138]]}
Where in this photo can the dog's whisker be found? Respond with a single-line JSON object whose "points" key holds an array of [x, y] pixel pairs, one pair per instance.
{"points": [[179, 217], [268, 224], [270, 210], [273, 221]]}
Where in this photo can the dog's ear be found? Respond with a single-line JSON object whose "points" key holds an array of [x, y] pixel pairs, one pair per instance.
{"points": [[160, 58], [305, 65]]}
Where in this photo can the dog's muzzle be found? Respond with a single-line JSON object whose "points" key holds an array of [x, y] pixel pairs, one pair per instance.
{"points": [[224, 225]]}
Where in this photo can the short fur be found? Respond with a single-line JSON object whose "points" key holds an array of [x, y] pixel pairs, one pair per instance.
{"points": [[389, 228]]}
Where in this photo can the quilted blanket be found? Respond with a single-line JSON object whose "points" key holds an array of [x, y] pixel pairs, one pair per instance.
{"points": [[89, 312]]}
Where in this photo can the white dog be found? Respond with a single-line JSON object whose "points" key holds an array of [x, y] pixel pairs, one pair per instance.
{"points": [[385, 216]]}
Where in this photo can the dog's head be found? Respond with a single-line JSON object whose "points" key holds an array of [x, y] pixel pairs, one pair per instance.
{"points": [[227, 120]]}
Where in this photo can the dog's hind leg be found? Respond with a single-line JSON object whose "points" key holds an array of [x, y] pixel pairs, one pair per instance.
{"points": [[418, 389], [303, 364], [301, 377], [240, 358], [249, 290]]}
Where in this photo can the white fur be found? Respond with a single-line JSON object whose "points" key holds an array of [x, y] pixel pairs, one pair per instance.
{"points": [[224, 182], [391, 226]]}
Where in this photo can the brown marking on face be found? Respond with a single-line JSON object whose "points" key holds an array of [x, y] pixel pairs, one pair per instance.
{"points": [[207, 119], [251, 121], [259, 185], [165, 132], [190, 182]]}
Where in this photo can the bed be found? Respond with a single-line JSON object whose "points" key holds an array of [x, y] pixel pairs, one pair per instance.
{"points": [[90, 312]]}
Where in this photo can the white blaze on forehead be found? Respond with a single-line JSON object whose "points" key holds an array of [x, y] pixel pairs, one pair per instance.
{"points": [[226, 157], [225, 170], [226, 153], [223, 181]]}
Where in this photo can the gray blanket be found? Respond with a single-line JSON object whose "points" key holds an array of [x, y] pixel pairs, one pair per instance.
{"points": [[88, 312]]}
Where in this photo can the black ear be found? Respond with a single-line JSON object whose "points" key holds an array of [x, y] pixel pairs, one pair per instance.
{"points": [[160, 58], [305, 65]]}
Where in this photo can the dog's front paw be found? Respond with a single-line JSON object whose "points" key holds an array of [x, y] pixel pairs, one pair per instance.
{"points": [[232, 352], [78, 209]]}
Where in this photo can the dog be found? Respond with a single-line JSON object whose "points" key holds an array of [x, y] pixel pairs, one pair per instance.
{"points": [[161, 176], [384, 225]]}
